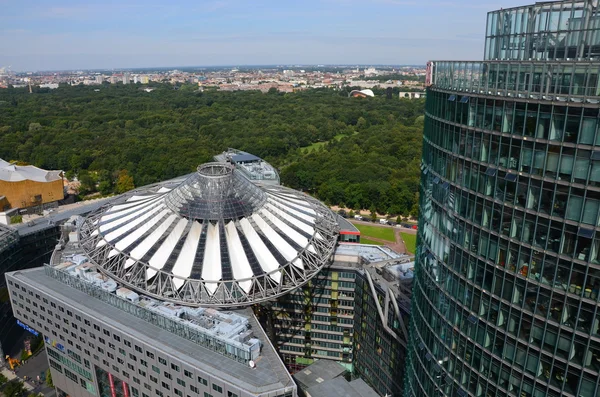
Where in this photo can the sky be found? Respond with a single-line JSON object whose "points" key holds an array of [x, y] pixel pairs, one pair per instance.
{"points": [[89, 34]]}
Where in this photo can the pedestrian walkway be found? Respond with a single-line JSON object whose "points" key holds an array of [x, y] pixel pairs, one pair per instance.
{"points": [[10, 375]]}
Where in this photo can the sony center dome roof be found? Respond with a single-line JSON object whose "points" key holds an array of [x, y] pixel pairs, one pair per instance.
{"points": [[216, 239]]}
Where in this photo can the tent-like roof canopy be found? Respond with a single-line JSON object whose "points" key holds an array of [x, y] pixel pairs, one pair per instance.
{"points": [[215, 240], [17, 173]]}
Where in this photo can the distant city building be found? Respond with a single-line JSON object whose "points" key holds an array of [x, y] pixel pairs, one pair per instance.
{"points": [[326, 378], [126, 78], [412, 95], [144, 79], [51, 86], [361, 93], [505, 301], [99, 79], [28, 186], [354, 312]]}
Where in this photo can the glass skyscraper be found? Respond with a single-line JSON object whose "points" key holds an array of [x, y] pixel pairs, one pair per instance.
{"points": [[505, 298]]}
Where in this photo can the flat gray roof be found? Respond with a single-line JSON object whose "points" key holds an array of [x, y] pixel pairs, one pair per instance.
{"points": [[239, 158], [318, 372], [345, 225], [268, 375], [340, 387]]}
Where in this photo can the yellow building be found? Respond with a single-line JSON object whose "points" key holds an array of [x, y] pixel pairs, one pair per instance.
{"points": [[27, 186]]}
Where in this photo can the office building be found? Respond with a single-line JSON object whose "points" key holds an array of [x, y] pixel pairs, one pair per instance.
{"points": [[505, 296], [144, 296], [354, 312]]}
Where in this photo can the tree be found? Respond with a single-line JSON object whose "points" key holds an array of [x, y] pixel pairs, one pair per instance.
{"points": [[124, 182], [3, 379], [49, 378], [373, 213], [14, 388], [351, 214]]}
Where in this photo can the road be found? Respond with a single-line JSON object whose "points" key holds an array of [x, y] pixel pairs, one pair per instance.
{"points": [[31, 369]]}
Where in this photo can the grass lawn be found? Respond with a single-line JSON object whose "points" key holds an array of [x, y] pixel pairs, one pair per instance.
{"points": [[317, 145], [384, 233], [410, 240], [367, 241]]}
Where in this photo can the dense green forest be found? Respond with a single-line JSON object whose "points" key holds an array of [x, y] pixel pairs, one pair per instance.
{"points": [[369, 156]]}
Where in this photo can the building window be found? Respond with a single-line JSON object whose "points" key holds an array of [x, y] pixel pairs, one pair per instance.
{"points": [[187, 373], [217, 388], [175, 367], [203, 381], [165, 386], [151, 355], [162, 361]]}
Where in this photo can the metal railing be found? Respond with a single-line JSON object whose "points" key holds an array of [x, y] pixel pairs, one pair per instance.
{"points": [[173, 325]]}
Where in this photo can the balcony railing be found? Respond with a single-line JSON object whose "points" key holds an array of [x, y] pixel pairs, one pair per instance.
{"points": [[567, 81]]}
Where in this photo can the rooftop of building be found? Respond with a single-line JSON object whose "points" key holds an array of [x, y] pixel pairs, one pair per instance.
{"points": [[318, 372], [325, 378], [18, 173], [253, 167], [8, 236], [340, 387], [388, 269], [234, 328], [267, 373], [345, 225]]}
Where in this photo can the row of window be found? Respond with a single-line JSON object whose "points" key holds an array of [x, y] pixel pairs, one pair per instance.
{"points": [[86, 324]]}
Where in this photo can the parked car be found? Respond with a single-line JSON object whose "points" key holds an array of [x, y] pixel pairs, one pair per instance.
{"points": [[358, 217], [383, 221], [342, 213]]}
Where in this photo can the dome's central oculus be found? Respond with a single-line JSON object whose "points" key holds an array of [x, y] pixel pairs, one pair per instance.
{"points": [[216, 192]]}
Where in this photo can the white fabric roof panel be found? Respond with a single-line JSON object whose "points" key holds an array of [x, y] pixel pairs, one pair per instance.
{"points": [[18, 173], [265, 258], [138, 252], [300, 225], [239, 262], [185, 260], [160, 257], [288, 252], [165, 232], [211, 266]]}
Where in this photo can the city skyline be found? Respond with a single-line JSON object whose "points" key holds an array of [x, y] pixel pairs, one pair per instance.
{"points": [[66, 35]]}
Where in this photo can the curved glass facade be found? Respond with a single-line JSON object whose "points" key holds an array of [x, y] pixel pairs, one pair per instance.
{"points": [[505, 296]]}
